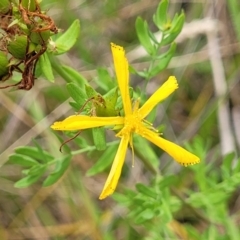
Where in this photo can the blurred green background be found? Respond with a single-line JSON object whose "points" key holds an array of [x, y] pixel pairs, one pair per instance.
{"points": [[204, 113]]}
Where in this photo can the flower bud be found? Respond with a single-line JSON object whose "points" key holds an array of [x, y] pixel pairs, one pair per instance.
{"points": [[18, 46], [3, 64], [4, 6], [40, 37]]}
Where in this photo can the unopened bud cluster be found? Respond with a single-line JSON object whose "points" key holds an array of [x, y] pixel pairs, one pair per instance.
{"points": [[24, 33]]}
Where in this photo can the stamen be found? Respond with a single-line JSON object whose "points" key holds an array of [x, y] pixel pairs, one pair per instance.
{"points": [[150, 126], [147, 122]]}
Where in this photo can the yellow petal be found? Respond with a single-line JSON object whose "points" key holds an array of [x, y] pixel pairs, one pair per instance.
{"points": [[79, 122], [116, 168], [163, 92], [122, 72], [179, 154]]}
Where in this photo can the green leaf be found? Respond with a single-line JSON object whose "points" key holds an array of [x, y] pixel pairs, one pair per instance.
{"points": [[77, 94], [75, 105], [42, 155], [46, 67], [163, 62], [167, 215], [153, 38], [167, 181], [104, 79], [99, 138], [143, 35], [36, 170], [68, 38], [75, 76], [30, 179], [145, 215], [142, 74], [161, 18], [174, 31], [122, 199], [34, 153], [104, 161], [22, 160], [147, 191], [90, 91], [60, 169]]}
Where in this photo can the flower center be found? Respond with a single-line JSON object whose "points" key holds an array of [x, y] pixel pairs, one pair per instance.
{"points": [[133, 123]]}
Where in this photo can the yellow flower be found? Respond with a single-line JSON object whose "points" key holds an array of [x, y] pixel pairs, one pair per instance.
{"points": [[132, 122]]}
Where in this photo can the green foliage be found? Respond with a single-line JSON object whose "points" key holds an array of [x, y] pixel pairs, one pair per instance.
{"points": [[37, 162], [46, 68], [170, 202], [161, 201], [77, 94], [99, 138], [144, 35], [87, 100], [62, 43], [103, 162], [66, 40], [60, 168], [168, 30]]}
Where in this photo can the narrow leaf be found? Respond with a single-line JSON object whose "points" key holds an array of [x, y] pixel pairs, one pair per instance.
{"points": [[60, 169], [22, 160], [174, 31], [46, 67], [167, 181], [33, 152], [160, 18], [145, 190], [75, 76], [143, 35], [75, 105], [163, 62], [99, 138], [145, 215], [30, 179], [104, 79], [77, 94], [36, 170], [104, 161], [68, 38]]}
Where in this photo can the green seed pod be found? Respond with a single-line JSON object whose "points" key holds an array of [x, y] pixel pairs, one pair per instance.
{"points": [[30, 5], [3, 64], [18, 47], [4, 6], [32, 47], [40, 37]]}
